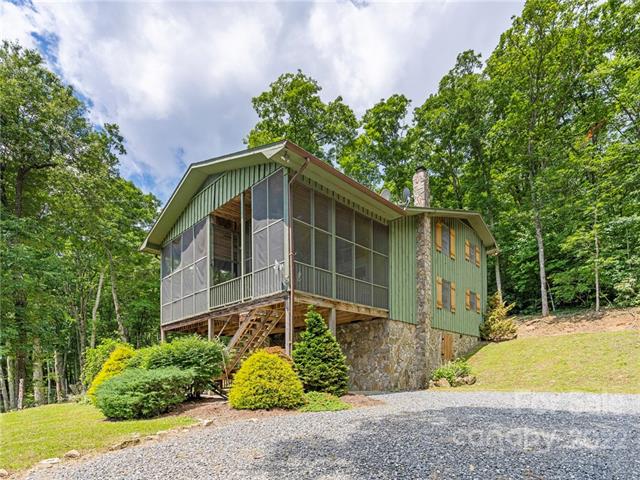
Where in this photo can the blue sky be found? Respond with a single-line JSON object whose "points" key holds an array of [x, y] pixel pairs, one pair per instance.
{"points": [[178, 77]]}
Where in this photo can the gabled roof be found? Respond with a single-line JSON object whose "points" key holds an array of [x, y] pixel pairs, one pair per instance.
{"points": [[474, 218], [292, 156]]}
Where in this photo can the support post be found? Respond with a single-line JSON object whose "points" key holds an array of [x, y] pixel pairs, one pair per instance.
{"points": [[288, 327], [210, 329], [163, 335], [332, 321]]}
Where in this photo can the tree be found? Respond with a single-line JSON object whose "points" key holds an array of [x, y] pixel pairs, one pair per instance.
{"points": [[379, 157], [291, 109], [318, 359]]}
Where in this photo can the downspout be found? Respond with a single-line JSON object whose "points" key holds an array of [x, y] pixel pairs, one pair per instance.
{"points": [[289, 341]]}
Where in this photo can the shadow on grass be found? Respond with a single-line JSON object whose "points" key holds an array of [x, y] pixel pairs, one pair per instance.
{"points": [[463, 443]]}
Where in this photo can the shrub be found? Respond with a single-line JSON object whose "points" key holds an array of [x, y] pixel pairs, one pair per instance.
{"points": [[94, 358], [115, 364], [497, 326], [265, 381], [139, 393], [202, 357], [318, 359], [452, 371], [323, 402]]}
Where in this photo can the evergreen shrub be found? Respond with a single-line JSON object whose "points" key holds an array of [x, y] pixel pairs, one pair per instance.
{"points": [[140, 393], [94, 358], [115, 364], [318, 359], [497, 326], [265, 381]]}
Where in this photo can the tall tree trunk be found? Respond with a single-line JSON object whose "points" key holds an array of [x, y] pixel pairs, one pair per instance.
{"points": [[94, 312], [60, 376], [11, 382], [596, 265], [541, 261], [498, 278], [3, 389], [49, 389], [38, 381], [20, 393], [122, 331], [19, 296], [82, 331]]}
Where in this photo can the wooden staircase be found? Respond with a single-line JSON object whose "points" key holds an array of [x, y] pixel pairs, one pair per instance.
{"points": [[255, 326]]}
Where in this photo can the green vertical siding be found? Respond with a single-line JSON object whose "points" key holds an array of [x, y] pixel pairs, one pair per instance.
{"points": [[402, 269], [217, 192], [465, 274]]}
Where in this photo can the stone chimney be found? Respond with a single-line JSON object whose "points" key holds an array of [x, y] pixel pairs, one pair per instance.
{"points": [[421, 192]]}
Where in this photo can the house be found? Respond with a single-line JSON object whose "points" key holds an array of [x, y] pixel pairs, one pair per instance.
{"points": [[249, 240]]}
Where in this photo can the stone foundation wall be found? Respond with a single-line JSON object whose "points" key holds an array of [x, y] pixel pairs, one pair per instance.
{"points": [[381, 355]]}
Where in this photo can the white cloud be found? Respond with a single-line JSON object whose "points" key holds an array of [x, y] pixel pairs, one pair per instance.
{"points": [[179, 77]]}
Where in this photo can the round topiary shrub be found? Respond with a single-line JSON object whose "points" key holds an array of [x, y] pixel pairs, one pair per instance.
{"points": [[265, 380], [115, 364], [139, 393], [318, 359]]}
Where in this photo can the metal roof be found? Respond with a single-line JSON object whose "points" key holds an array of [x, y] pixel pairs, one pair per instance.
{"points": [[290, 155]]}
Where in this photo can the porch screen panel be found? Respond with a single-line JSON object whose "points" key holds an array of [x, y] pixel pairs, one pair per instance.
{"points": [[268, 237], [184, 262]]}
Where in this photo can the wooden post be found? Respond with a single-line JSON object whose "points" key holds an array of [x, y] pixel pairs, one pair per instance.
{"points": [[288, 327], [163, 336], [332, 321], [210, 329]]}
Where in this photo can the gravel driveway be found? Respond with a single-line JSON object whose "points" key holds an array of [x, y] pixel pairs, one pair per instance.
{"points": [[426, 435]]}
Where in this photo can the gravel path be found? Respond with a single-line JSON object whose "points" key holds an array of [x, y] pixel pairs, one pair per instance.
{"points": [[426, 435]]}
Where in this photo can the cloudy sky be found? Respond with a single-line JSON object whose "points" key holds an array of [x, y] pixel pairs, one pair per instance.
{"points": [[178, 77]]}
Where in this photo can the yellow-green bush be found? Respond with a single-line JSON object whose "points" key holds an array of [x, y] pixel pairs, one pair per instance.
{"points": [[115, 364], [497, 325], [265, 380]]}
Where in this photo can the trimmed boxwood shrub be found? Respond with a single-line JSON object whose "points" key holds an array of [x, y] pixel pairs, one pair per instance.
{"points": [[202, 357], [139, 393], [265, 380], [318, 359], [115, 364], [94, 359]]}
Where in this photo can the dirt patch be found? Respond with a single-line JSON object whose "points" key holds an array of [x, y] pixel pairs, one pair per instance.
{"points": [[357, 400], [612, 320], [220, 413]]}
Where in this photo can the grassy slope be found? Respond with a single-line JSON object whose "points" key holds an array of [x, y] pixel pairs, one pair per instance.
{"points": [[34, 434], [587, 362]]}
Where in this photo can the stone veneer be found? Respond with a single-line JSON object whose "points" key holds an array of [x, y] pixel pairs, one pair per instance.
{"points": [[384, 355]]}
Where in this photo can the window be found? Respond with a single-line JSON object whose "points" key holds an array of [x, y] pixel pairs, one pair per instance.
{"points": [[363, 230], [380, 238], [445, 295], [301, 202], [472, 252], [344, 221], [323, 250], [276, 196], [363, 264], [166, 260], [322, 212], [268, 236], [344, 257], [176, 249], [472, 301], [380, 270], [445, 239]]}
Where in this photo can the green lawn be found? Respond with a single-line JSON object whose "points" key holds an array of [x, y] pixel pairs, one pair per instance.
{"points": [[582, 362], [34, 434]]}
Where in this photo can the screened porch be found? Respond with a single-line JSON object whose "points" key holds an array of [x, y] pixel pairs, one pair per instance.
{"points": [[239, 253]]}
